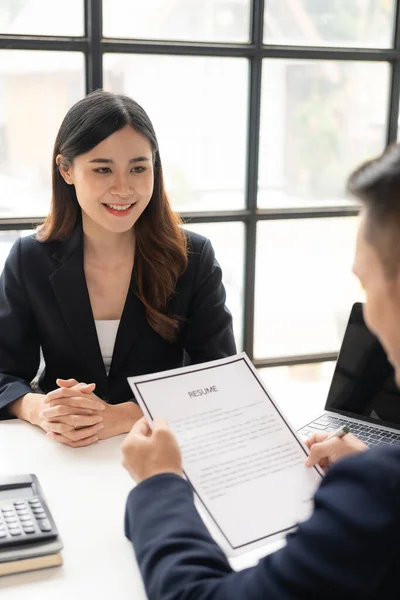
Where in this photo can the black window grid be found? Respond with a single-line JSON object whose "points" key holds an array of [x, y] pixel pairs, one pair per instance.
{"points": [[94, 46]]}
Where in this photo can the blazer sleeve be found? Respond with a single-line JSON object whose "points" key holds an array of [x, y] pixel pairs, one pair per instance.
{"points": [[19, 341], [343, 551], [208, 332]]}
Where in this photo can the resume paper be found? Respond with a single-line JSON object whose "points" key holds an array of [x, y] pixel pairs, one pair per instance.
{"points": [[240, 454]]}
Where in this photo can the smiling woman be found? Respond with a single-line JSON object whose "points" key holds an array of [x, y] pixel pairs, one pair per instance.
{"points": [[123, 187], [117, 139], [110, 286]]}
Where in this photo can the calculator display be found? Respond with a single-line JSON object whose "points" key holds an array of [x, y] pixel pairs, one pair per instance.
{"points": [[17, 492]]}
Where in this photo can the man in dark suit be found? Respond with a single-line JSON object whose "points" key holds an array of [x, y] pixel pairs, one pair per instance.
{"points": [[350, 546]]}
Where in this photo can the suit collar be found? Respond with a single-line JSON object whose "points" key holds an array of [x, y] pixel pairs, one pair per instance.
{"points": [[132, 326], [74, 243], [70, 289], [69, 285]]}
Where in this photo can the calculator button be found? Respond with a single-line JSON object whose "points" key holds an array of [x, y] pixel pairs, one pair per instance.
{"points": [[19, 504], [3, 533], [33, 502], [37, 510], [22, 512], [7, 508], [29, 529], [45, 525], [8, 513], [25, 518], [11, 519], [15, 531]]}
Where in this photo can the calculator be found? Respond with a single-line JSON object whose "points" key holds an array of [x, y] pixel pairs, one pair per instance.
{"points": [[24, 515]]}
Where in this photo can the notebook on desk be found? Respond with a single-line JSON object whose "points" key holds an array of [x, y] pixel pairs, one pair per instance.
{"points": [[363, 393]]}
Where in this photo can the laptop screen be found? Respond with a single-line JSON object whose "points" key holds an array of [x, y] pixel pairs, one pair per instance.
{"points": [[363, 383]]}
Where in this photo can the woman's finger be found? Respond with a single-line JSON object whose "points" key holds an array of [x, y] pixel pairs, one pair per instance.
{"points": [[79, 444], [55, 427], [86, 388], [76, 421], [58, 413], [77, 402], [76, 435], [66, 382], [63, 393], [70, 432]]}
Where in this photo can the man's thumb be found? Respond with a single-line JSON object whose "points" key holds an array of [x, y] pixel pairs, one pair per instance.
{"points": [[160, 424], [316, 453]]}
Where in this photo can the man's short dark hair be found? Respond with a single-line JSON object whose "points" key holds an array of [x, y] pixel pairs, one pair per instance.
{"points": [[376, 183]]}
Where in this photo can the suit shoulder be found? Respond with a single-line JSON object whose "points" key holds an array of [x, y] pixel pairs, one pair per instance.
{"points": [[30, 244], [377, 470], [22, 245], [383, 459], [196, 242], [32, 256]]}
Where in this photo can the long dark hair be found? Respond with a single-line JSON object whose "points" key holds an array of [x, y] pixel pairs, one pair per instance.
{"points": [[161, 247]]}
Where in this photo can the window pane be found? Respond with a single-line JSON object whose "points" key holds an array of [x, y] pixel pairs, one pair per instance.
{"points": [[36, 90], [7, 238], [346, 23], [41, 17], [228, 242], [300, 390], [200, 20], [200, 124], [319, 120], [304, 285]]}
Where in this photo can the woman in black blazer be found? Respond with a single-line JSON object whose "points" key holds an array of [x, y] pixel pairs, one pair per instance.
{"points": [[110, 253]]}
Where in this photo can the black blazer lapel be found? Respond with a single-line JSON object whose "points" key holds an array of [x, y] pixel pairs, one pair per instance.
{"points": [[132, 326], [70, 289]]}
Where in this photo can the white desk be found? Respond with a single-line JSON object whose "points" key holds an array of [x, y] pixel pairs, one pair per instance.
{"points": [[86, 489]]}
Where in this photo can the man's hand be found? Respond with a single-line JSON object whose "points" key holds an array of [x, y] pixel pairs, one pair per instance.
{"points": [[149, 452], [324, 453]]}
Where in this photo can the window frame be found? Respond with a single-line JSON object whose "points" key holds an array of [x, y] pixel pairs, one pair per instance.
{"points": [[93, 45]]}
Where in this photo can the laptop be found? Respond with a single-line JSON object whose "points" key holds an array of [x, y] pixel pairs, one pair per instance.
{"points": [[363, 393]]}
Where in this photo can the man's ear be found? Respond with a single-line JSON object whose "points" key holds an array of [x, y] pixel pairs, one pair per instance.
{"points": [[65, 169]]}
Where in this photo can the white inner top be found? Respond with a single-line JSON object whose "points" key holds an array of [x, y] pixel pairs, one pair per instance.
{"points": [[106, 333]]}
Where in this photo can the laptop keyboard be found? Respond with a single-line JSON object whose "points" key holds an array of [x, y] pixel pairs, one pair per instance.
{"points": [[373, 436]]}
